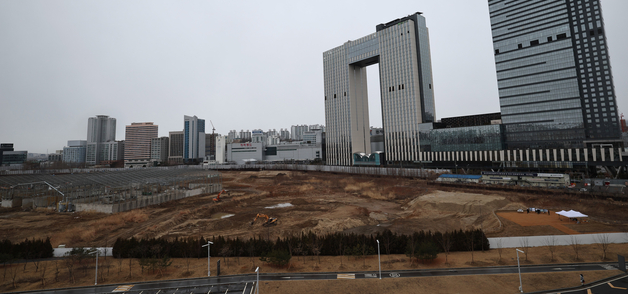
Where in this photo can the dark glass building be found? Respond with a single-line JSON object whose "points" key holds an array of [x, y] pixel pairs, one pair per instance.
{"points": [[472, 138], [554, 74]]}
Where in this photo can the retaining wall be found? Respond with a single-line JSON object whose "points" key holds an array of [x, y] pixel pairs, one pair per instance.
{"points": [[559, 240]]}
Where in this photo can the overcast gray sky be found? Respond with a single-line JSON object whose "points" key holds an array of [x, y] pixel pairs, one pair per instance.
{"points": [[241, 64]]}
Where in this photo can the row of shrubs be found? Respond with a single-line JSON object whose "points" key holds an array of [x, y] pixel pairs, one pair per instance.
{"points": [[333, 244], [28, 249]]}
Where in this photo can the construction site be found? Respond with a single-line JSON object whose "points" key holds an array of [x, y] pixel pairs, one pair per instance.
{"points": [[271, 204], [293, 202]]}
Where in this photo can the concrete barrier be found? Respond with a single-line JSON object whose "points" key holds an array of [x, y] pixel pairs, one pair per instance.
{"points": [[95, 207], [559, 240], [143, 201], [11, 203]]}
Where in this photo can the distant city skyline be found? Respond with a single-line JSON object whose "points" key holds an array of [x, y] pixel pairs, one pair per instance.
{"points": [[65, 61]]}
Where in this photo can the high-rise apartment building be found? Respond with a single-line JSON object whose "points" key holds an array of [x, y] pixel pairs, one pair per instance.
{"points": [[296, 132], [285, 134], [233, 134], [401, 47], [100, 129], [194, 141], [554, 74], [138, 137], [244, 134]]}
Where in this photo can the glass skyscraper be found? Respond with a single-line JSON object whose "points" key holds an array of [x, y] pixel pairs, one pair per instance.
{"points": [[194, 137], [554, 75]]}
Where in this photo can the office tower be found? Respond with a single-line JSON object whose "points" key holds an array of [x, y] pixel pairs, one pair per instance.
{"points": [[75, 151], [175, 149], [401, 47], [554, 74], [100, 129], [194, 141], [159, 149], [137, 140], [210, 146], [111, 151]]}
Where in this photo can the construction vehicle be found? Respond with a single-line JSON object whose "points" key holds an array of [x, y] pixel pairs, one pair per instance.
{"points": [[217, 199], [269, 220]]}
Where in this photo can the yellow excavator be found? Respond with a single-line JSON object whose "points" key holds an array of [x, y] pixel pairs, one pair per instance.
{"points": [[217, 199], [269, 220]]}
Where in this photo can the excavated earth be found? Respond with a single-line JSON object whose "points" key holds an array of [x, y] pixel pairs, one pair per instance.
{"points": [[304, 202]]}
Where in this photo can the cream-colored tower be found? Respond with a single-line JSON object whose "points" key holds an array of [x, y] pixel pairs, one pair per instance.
{"points": [[401, 47]]}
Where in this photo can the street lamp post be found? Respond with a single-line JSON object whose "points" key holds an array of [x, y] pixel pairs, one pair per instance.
{"points": [[208, 257], [257, 283], [379, 261], [96, 278], [519, 267]]}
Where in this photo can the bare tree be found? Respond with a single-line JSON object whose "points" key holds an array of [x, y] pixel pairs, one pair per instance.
{"points": [[500, 249], [69, 265], [187, 254], [225, 251], [130, 268], [56, 271], [317, 245], [365, 250], [119, 257], [339, 251], [387, 242], [14, 276], [298, 250], [551, 242], [445, 242], [251, 250], [524, 243], [44, 266], [574, 242], [470, 243], [604, 241]]}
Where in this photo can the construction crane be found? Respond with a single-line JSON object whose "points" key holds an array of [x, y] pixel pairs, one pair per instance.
{"points": [[269, 220], [217, 199], [213, 128]]}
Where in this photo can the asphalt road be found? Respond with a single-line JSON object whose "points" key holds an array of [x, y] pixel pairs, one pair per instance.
{"points": [[245, 283], [613, 286]]}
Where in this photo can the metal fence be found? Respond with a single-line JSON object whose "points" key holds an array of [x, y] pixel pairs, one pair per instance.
{"points": [[380, 171]]}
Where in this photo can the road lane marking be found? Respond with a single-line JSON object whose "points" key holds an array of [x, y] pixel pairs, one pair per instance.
{"points": [[608, 267], [346, 276], [123, 288], [616, 287]]}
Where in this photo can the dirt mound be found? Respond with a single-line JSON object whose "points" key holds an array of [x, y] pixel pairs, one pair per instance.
{"points": [[459, 203], [326, 225]]}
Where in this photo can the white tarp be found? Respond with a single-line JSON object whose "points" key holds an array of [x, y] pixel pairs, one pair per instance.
{"points": [[571, 213]]}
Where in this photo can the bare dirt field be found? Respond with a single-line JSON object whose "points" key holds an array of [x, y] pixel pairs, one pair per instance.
{"points": [[317, 202], [323, 203], [111, 270]]}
